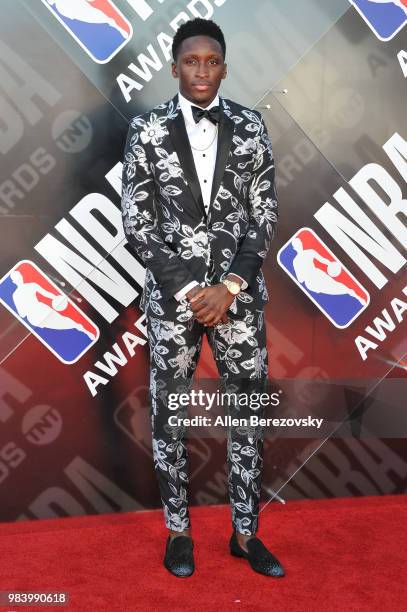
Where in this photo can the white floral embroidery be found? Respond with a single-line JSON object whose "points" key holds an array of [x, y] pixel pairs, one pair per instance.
{"points": [[167, 330], [153, 131], [236, 332], [170, 163], [183, 361], [196, 243]]}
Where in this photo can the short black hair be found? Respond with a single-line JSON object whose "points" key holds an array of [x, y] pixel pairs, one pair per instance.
{"points": [[197, 27]]}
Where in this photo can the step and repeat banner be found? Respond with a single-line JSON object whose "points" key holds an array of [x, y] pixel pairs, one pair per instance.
{"points": [[330, 79]]}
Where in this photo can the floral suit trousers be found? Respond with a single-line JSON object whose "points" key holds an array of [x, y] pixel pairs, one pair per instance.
{"points": [[240, 353]]}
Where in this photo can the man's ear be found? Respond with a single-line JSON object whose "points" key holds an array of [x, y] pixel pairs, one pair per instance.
{"points": [[225, 71], [174, 70]]}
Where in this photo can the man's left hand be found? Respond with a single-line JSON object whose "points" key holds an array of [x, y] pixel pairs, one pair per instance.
{"points": [[211, 303]]}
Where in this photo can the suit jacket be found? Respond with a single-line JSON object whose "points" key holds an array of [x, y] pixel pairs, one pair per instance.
{"points": [[164, 217]]}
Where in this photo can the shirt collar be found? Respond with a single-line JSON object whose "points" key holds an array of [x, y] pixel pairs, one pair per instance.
{"points": [[186, 107]]}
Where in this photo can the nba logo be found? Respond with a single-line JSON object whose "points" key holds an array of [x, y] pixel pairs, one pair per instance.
{"points": [[384, 17], [97, 25], [325, 280], [47, 312]]}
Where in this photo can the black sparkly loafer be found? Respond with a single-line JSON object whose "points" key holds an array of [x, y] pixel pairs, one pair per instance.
{"points": [[259, 557], [179, 558]]}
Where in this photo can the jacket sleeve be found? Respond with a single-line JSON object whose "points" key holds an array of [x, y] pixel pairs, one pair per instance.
{"points": [[263, 212], [140, 220]]}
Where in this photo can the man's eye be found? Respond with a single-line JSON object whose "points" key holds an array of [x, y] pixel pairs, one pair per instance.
{"points": [[192, 61]]}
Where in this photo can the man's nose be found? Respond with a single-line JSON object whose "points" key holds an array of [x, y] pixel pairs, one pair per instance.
{"points": [[202, 69]]}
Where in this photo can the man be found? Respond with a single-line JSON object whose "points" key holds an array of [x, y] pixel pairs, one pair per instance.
{"points": [[199, 208]]}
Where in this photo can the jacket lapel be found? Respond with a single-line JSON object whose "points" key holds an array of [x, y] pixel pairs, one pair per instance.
{"points": [[225, 136], [180, 142]]}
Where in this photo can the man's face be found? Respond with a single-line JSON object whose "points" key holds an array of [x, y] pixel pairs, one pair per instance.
{"points": [[200, 68]]}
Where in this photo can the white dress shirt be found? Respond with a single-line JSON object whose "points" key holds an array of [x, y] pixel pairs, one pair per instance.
{"points": [[203, 138]]}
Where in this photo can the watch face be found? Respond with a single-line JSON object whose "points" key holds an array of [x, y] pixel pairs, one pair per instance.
{"points": [[232, 287]]}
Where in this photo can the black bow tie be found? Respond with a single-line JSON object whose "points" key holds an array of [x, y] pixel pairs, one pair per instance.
{"points": [[213, 114]]}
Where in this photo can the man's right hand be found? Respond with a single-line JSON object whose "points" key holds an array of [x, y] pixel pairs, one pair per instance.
{"points": [[224, 318], [193, 291]]}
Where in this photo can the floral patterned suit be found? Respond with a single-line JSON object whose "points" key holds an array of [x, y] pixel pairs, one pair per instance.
{"points": [[166, 224]]}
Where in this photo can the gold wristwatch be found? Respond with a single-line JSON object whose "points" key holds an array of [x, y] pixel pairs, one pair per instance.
{"points": [[232, 286]]}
